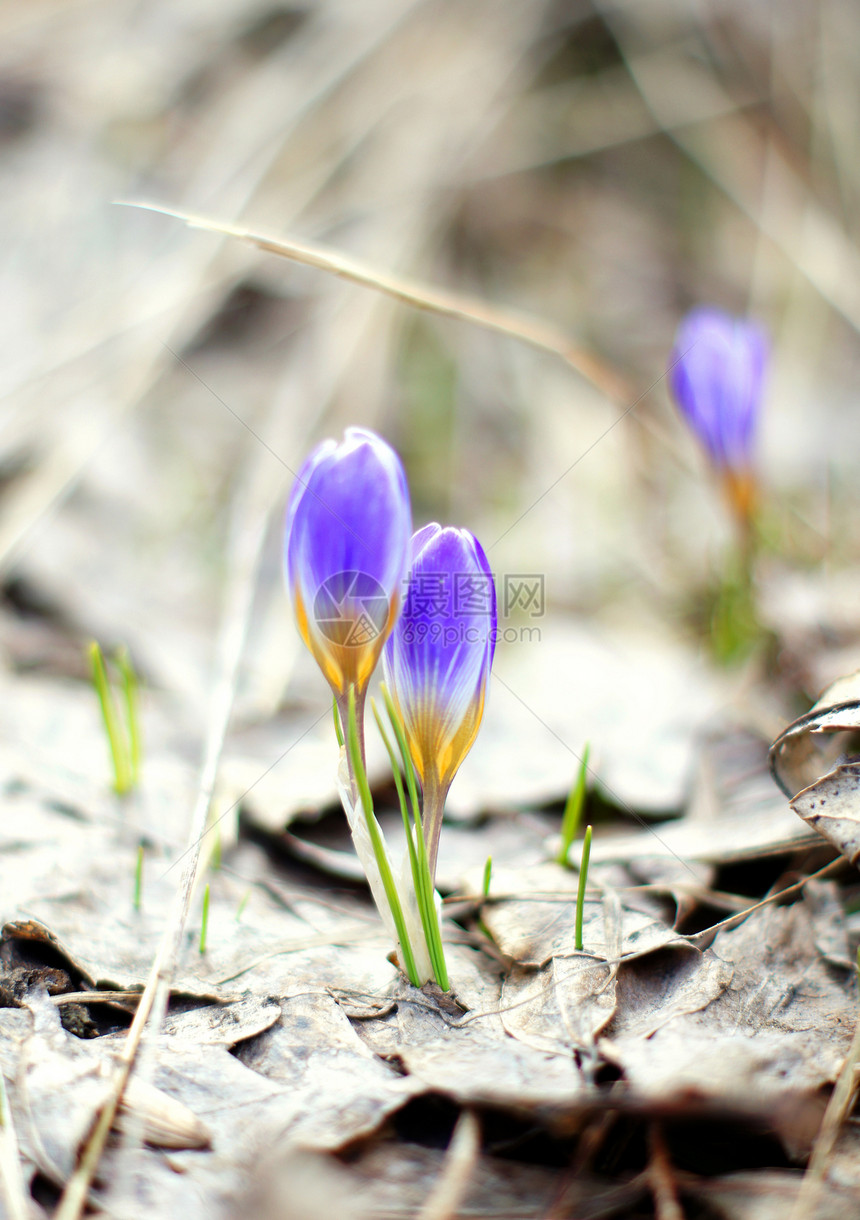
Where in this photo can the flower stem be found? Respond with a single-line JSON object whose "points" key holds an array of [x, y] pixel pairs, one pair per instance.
{"points": [[423, 887], [358, 775], [349, 704], [433, 809]]}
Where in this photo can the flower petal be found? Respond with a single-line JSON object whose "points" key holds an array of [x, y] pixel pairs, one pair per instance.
{"points": [[438, 658], [716, 375], [347, 547]]}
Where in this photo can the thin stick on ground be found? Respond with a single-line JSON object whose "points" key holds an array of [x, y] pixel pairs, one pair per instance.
{"points": [[245, 550], [95, 997], [661, 1177], [457, 1170], [840, 1103], [14, 1192]]}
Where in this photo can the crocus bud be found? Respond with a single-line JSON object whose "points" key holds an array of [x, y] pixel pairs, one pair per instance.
{"points": [[438, 659], [347, 553], [716, 374]]}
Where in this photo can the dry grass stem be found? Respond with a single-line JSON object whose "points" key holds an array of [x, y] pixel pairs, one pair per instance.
{"points": [[667, 1205], [457, 1170], [14, 1190], [534, 331], [838, 1108]]}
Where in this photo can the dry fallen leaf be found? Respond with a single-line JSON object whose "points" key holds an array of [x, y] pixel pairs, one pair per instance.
{"points": [[832, 807], [779, 1013], [817, 741], [813, 762], [57, 1084]]}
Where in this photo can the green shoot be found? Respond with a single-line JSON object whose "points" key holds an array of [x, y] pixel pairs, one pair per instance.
{"points": [[243, 902], [111, 718], [121, 726], [583, 878], [408, 769], [485, 890], [130, 684], [138, 878], [338, 731], [425, 890], [733, 626], [376, 840], [398, 782], [204, 923], [215, 858], [573, 809], [488, 876], [421, 879]]}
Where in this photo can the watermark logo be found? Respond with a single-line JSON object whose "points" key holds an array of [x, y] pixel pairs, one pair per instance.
{"points": [[473, 594], [524, 591], [351, 609]]}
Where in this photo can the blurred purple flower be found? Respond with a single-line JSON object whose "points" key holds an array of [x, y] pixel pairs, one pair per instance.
{"points": [[716, 374], [346, 552], [438, 659]]}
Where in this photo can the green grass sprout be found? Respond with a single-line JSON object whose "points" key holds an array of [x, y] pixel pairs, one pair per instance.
{"points": [[408, 769], [373, 830], [424, 889], [243, 902], [215, 857], [204, 923], [583, 879], [485, 889], [121, 718], [111, 717], [573, 809], [130, 689], [138, 878], [425, 893], [338, 731], [732, 623]]}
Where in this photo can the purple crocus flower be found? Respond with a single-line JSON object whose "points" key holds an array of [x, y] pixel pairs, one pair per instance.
{"points": [[347, 553], [716, 373], [438, 659]]}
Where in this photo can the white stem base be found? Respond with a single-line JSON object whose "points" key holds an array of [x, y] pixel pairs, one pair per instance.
{"points": [[402, 877]]}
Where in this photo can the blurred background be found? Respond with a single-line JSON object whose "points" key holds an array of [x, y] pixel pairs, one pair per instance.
{"points": [[603, 166]]}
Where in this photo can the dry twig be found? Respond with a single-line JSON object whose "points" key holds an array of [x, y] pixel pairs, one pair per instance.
{"points": [[457, 1170], [533, 331]]}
